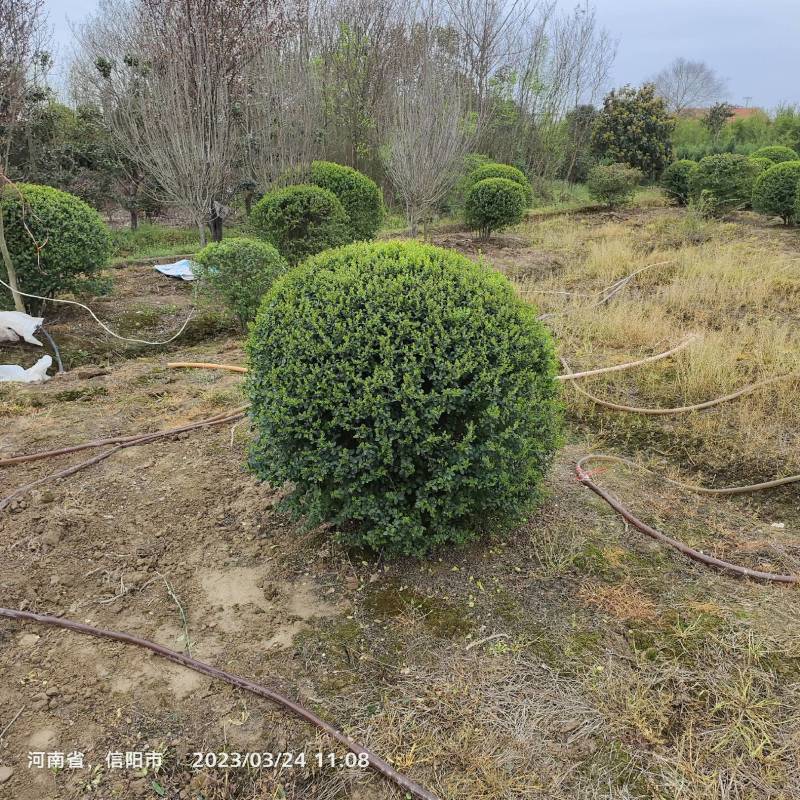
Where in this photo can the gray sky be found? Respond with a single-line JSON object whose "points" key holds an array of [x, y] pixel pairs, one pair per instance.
{"points": [[753, 44]]}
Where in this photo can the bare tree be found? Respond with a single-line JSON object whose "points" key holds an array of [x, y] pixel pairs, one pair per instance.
{"points": [[283, 110], [429, 126], [170, 77], [687, 84], [22, 34]]}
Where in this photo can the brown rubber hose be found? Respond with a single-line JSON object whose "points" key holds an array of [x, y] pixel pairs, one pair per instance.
{"points": [[709, 561], [7, 462], [376, 762], [204, 365], [127, 442]]}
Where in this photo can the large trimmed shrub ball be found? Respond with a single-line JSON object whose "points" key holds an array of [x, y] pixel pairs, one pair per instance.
{"points": [[493, 204], [359, 195], [613, 184], [76, 242], [503, 171], [775, 191], [776, 153], [405, 393], [238, 273], [722, 183], [675, 180], [300, 221]]}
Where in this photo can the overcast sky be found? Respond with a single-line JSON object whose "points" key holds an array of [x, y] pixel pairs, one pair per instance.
{"points": [[753, 44]]}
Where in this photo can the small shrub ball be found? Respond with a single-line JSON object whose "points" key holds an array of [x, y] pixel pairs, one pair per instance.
{"points": [[75, 242], [238, 272], [300, 221], [359, 195], [775, 190], [493, 204], [405, 393]]}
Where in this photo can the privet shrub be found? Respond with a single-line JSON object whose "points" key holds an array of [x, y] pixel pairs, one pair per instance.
{"points": [[762, 164], [723, 182], [76, 242], [493, 204], [300, 221], [775, 191], [359, 195], [675, 180], [238, 273], [775, 153], [613, 184], [405, 392], [503, 171], [457, 196]]}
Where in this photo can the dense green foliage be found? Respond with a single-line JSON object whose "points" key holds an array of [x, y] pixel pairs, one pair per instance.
{"points": [[776, 153], [406, 393], [722, 183], [301, 220], [74, 242], [613, 184], [634, 128], [493, 204], [761, 163], [775, 191], [358, 194], [693, 139], [238, 273], [503, 171], [676, 180]]}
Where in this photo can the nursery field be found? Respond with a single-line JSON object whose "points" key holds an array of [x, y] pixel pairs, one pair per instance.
{"points": [[571, 658]]}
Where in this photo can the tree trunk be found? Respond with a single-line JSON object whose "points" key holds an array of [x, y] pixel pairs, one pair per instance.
{"points": [[134, 218], [202, 228], [215, 223], [10, 271]]}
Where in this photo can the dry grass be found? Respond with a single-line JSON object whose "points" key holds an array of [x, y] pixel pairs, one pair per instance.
{"points": [[738, 288]]}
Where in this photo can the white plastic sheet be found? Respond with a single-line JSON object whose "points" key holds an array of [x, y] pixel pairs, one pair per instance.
{"points": [[35, 374], [14, 325], [180, 269]]}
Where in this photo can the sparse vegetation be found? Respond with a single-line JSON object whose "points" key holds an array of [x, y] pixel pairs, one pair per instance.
{"points": [[613, 184]]}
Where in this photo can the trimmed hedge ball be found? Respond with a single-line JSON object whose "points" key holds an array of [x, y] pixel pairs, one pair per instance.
{"points": [[675, 180], [775, 191], [76, 242], [405, 392], [301, 221], [238, 273], [613, 184], [503, 171], [359, 195], [723, 182], [493, 204], [776, 153]]}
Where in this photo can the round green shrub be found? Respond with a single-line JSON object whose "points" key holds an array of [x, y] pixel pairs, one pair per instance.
{"points": [[675, 180], [775, 153], [613, 184], [775, 191], [359, 195], [76, 242], [300, 221], [238, 273], [761, 163], [405, 392], [722, 183], [503, 171], [493, 204]]}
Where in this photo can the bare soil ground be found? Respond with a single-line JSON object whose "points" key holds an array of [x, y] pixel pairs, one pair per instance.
{"points": [[572, 658]]}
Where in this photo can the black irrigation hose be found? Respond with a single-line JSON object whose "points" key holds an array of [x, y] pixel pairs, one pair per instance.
{"points": [[376, 762], [55, 348], [709, 561]]}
